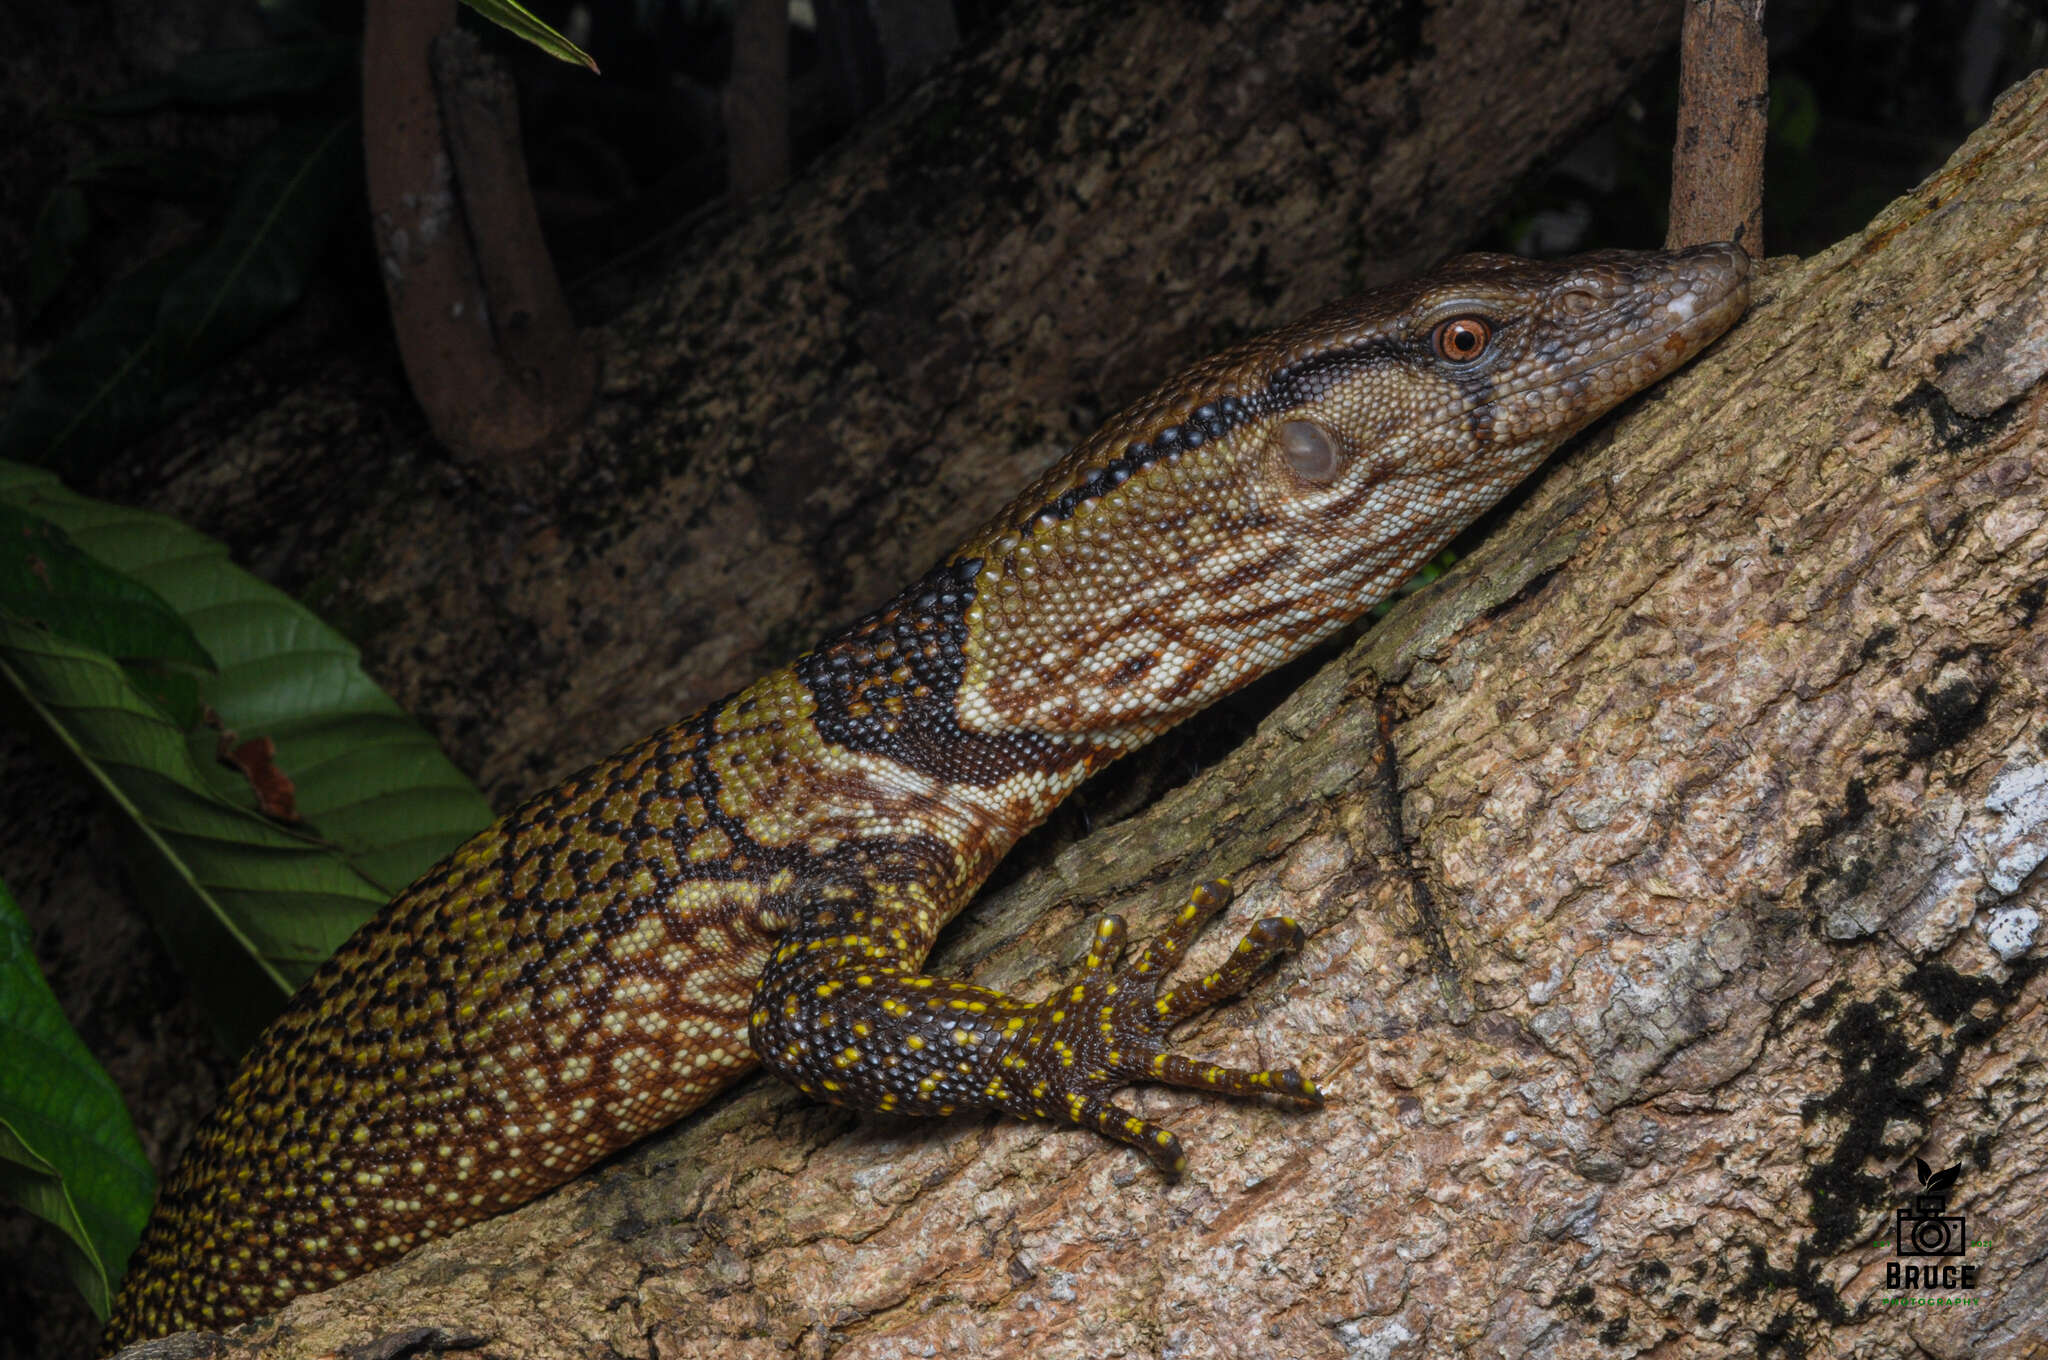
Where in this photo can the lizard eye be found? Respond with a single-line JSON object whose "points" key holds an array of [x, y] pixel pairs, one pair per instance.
{"points": [[1310, 450], [1462, 339]]}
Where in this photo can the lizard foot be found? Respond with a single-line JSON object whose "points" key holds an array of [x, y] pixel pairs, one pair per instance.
{"points": [[1110, 1029]]}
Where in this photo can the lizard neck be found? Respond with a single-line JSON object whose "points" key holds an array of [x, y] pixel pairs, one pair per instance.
{"points": [[897, 702]]}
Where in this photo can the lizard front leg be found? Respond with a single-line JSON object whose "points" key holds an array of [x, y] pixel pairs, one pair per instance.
{"points": [[848, 1020]]}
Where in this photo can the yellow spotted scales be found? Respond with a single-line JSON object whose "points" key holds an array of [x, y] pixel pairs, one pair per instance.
{"points": [[762, 881]]}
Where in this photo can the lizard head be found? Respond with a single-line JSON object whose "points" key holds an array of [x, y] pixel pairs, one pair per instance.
{"points": [[1483, 367], [1265, 497]]}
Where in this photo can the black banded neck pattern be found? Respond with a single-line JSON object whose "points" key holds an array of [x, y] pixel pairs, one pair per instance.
{"points": [[1209, 421]]}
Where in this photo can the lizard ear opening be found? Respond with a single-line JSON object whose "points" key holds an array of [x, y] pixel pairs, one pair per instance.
{"points": [[1311, 451]]}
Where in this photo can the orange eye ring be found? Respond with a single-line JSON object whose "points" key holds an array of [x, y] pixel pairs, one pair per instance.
{"points": [[1462, 339]]}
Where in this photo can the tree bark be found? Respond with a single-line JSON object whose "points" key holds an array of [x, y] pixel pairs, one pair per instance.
{"points": [[1674, 877]]}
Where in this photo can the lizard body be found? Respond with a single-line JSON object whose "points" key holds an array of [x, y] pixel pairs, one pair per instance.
{"points": [[763, 880]]}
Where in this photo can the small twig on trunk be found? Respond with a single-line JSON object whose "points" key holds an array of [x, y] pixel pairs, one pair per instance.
{"points": [[1717, 167]]}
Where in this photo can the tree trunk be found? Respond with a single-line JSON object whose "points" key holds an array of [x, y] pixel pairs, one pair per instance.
{"points": [[1673, 872]]}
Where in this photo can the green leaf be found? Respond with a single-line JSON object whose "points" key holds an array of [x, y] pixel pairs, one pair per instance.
{"points": [[106, 383], [101, 385], [378, 802], [249, 907], [521, 22], [291, 193], [61, 227], [1428, 572], [239, 76], [172, 688], [68, 1152], [45, 579]]}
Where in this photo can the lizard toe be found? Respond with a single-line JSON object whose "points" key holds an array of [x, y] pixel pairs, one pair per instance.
{"points": [[1112, 1028]]}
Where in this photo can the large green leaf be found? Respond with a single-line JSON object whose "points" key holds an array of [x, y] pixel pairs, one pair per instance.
{"points": [[291, 191], [108, 381], [367, 776], [243, 901], [377, 802], [68, 1152], [45, 579]]}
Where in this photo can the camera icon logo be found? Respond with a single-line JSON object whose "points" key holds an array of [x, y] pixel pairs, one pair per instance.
{"points": [[1924, 1230], [1928, 1231]]}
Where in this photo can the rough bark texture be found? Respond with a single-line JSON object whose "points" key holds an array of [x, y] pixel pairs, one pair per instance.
{"points": [[1674, 871]]}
